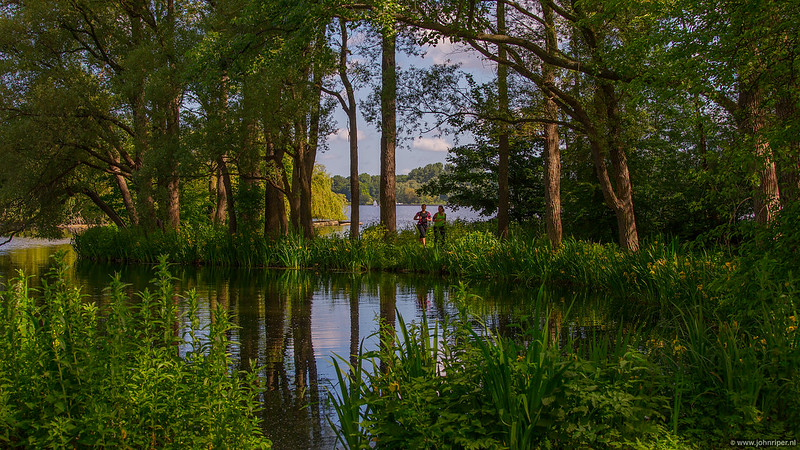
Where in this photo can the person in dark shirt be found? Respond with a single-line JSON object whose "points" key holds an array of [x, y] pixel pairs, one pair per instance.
{"points": [[422, 218]]}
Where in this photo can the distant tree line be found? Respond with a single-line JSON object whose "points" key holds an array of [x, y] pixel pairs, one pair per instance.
{"points": [[408, 186]]}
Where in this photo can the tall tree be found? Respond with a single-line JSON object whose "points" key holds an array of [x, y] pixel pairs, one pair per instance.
{"points": [[599, 117], [740, 55], [388, 131], [349, 106], [552, 152], [502, 139]]}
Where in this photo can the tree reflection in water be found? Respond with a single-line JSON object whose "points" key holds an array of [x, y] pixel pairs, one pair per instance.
{"points": [[290, 323]]}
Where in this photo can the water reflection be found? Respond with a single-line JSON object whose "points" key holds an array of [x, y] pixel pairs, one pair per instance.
{"points": [[290, 323]]}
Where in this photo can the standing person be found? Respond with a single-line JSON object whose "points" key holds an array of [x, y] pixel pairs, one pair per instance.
{"points": [[439, 221], [422, 218]]}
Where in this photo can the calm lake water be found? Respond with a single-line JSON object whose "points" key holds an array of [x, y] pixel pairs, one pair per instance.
{"points": [[291, 323]]}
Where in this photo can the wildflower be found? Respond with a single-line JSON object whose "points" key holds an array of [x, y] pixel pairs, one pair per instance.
{"points": [[394, 386], [791, 329]]}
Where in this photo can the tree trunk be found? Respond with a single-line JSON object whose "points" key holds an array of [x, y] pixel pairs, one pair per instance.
{"points": [[352, 121], [225, 174], [173, 202], [388, 134], [142, 177], [305, 173], [607, 141], [275, 221], [503, 197], [789, 160], [249, 158], [109, 211], [173, 216], [226, 201], [310, 155], [127, 199], [300, 201], [220, 197], [766, 198], [294, 197], [552, 151]]}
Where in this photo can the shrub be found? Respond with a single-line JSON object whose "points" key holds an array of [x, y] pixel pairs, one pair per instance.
{"points": [[73, 376]]}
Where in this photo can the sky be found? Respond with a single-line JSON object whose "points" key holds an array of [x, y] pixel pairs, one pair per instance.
{"points": [[410, 154]]}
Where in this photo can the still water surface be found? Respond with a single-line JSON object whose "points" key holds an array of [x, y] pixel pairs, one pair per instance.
{"points": [[291, 323]]}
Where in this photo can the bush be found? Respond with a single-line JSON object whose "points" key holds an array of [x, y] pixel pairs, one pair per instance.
{"points": [[73, 376]]}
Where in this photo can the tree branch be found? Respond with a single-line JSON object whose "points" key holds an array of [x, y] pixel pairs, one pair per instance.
{"points": [[500, 39]]}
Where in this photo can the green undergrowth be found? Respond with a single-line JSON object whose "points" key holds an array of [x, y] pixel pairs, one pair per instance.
{"points": [[142, 372], [699, 379]]}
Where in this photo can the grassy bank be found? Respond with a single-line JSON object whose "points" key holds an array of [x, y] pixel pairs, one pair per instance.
{"points": [[471, 252], [138, 374], [706, 375]]}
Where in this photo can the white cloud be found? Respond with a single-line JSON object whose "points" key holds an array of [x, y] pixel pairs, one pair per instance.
{"points": [[446, 52], [343, 134], [431, 144]]}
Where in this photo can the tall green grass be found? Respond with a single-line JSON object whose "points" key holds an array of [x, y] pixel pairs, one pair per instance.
{"points": [[697, 378], [72, 375], [657, 274]]}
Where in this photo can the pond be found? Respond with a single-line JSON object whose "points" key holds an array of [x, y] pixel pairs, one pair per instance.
{"points": [[291, 323]]}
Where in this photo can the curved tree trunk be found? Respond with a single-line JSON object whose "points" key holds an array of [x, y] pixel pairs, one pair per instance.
{"points": [[607, 141], [352, 121], [108, 210], [122, 183]]}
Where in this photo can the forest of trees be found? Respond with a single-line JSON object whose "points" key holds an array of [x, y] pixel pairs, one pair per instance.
{"points": [[603, 118]]}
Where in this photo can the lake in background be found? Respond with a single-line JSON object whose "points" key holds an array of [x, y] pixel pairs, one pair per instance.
{"points": [[292, 322], [370, 214]]}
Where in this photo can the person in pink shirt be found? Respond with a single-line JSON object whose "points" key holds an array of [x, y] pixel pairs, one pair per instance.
{"points": [[422, 218]]}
